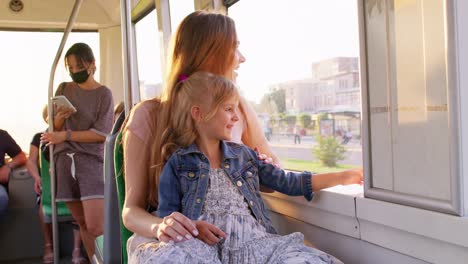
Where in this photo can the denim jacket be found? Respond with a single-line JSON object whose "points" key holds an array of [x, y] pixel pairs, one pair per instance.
{"points": [[184, 181]]}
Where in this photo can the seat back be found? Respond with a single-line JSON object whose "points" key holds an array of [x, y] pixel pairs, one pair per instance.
{"points": [[120, 180], [111, 244], [63, 214]]}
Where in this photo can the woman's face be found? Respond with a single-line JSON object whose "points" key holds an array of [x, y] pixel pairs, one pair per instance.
{"points": [[74, 65], [238, 59], [80, 72]]}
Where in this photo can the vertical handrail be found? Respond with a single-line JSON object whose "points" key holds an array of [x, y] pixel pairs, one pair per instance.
{"points": [[128, 53], [70, 23], [163, 10]]}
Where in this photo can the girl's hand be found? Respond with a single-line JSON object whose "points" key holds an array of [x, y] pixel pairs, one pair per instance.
{"points": [[53, 137], [354, 176], [176, 227], [38, 186], [209, 233]]}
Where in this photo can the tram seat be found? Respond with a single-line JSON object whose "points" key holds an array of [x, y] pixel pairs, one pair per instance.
{"points": [[120, 180], [63, 214], [109, 246]]}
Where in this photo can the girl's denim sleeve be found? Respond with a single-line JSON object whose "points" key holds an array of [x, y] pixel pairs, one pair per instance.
{"points": [[290, 183], [169, 194]]}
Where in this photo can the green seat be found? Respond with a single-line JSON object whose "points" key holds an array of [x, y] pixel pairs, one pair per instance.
{"points": [[119, 176], [98, 253], [63, 213]]}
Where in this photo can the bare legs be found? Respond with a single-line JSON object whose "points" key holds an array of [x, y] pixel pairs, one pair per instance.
{"points": [[89, 215], [48, 242], [47, 233]]}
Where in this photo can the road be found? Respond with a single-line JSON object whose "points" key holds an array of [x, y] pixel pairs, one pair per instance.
{"points": [[284, 147]]}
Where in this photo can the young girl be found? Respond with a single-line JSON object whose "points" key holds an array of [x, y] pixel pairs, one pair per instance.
{"points": [[210, 180]]}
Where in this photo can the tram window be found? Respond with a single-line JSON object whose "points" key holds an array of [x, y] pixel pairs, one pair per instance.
{"points": [[149, 59], [27, 58], [302, 75], [179, 10]]}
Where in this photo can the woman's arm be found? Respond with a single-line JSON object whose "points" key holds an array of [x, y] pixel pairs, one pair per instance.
{"points": [[32, 168], [87, 136], [135, 216], [252, 135]]}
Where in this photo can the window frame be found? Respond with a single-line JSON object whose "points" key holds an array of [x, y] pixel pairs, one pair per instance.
{"points": [[455, 96]]}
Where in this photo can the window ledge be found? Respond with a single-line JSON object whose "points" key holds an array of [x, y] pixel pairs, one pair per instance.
{"points": [[413, 231], [410, 231], [332, 208]]}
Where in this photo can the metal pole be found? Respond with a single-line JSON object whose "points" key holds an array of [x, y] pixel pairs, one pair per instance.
{"points": [[128, 54], [70, 23]]}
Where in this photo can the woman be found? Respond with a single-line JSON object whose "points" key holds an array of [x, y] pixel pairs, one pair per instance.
{"points": [[79, 143], [203, 42], [33, 166]]}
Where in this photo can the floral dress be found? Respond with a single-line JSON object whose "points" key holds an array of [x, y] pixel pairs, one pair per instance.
{"points": [[246, 240]]}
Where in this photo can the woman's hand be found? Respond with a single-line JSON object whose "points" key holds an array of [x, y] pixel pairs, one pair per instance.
{"points": [[209, 233], [354, 176], [53, 137], [63, 112], [269, 160], [176, 227], [265, 158]]}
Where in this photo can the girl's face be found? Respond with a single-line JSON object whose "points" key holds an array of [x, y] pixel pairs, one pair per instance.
{"points": [[238, 59], [220, 126]]}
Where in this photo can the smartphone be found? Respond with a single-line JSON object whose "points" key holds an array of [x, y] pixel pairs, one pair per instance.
{"points": [[61, 100]]}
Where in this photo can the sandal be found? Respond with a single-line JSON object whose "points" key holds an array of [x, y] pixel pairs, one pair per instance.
{"points": [[77, 258], [48, 257]]}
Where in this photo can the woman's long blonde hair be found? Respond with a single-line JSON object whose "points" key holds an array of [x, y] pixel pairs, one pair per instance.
{"points": [[203, 42]]}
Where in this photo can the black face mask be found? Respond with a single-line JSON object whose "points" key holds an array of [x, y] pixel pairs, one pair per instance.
{"points": [[80, 77]]}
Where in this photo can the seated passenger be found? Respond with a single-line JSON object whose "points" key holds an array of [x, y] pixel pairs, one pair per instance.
{"points": [[119, 108], [8, 146], [203, 42], [212, 181]]}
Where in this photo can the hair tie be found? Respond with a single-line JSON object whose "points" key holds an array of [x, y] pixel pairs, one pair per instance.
{"points": [[182, 77]]}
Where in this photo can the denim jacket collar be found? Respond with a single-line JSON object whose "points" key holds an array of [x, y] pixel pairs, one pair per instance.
{"points": [[228, 152]]}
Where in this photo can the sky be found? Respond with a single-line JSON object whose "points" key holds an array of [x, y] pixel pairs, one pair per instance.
{"points": [[279, 39]]}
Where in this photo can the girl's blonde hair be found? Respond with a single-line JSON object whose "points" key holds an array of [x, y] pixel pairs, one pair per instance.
{"points": [[203, 42], [206, 90]]}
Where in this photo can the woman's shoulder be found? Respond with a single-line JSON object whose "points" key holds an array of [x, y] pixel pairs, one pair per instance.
{"points": [[104, 89], [141, 120], [145, 110]]}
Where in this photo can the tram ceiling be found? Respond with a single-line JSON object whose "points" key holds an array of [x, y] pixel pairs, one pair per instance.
{"points": [[54, 14]]}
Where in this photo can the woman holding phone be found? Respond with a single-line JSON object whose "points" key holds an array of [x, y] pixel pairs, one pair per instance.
{"points": [[79, 143]]}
